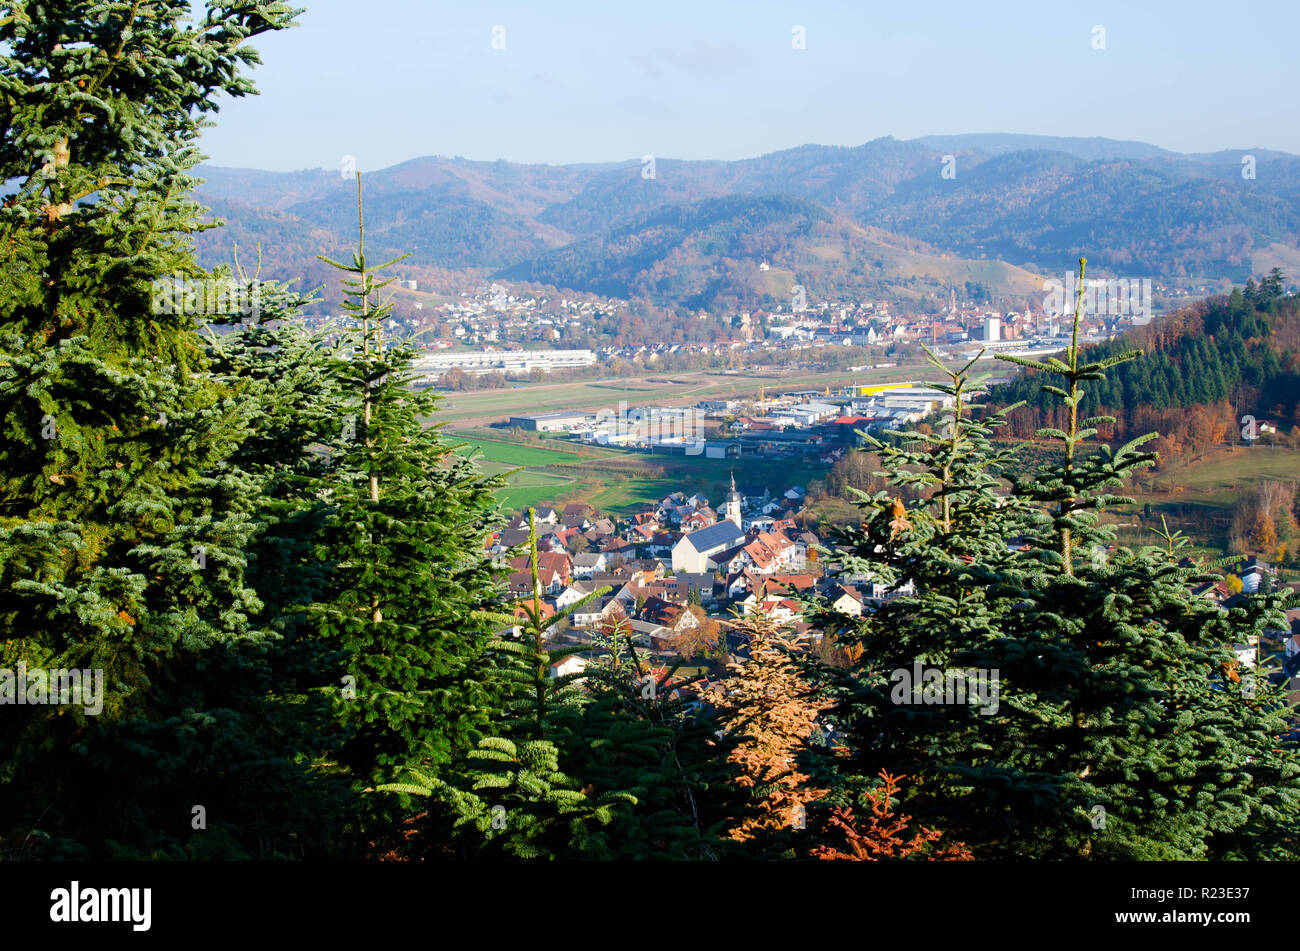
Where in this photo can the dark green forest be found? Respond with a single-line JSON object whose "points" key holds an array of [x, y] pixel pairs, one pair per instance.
{"points": [[1244, 347]]}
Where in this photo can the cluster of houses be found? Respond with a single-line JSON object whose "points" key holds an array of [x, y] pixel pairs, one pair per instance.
{"points": [[662, 573], [494, 315], [679, 564]]}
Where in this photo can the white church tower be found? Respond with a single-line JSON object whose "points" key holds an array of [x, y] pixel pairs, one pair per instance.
{"points": [[731, 507]]}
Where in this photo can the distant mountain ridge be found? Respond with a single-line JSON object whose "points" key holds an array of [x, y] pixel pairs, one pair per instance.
{"points": [[870, 219]]}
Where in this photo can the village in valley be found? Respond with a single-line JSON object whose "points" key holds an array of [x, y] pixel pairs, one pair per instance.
{"points": [[668, 581], [670, 577]]}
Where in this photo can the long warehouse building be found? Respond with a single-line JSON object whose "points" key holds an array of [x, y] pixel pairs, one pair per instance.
{"points": [[434, 365]]}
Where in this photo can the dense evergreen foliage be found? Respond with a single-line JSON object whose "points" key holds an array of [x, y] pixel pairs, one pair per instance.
{"points": [[1118, 725], [1243, 348]]}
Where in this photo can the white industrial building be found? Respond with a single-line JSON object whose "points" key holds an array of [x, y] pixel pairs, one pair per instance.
{"points": [[550, 422], [433, 365]]}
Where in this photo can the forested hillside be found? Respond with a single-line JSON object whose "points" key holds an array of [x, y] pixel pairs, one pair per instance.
{"points": [[1028, 201], [1201, 371]]}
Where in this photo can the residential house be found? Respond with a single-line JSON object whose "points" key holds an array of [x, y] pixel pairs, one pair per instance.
{"points": [[575, 593], [688, 582], [572, 664], [701, 518], [551, 541], [617, 552], [588, 563], [738, 585], [845, 599], [523, 608], [643, 633], [601, 610], [663, 544], [512, 537], [1252, 572], [673, 617], [733, 561], [771, 592], [554, 570], [519, 583], [756, 496], [781, 610], [768, 553]]}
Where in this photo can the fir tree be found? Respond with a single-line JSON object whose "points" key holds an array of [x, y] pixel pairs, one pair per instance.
{"points": [[647, 735], [411, 597], [509, 794], [1117, 731], [885, 833], [124, 525], [768, 713]]}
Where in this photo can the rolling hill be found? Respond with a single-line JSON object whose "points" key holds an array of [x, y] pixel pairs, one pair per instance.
{"points": [[878, 218]]}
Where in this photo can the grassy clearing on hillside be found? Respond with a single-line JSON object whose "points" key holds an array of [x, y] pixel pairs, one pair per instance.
{"points": [[1199, 498], [1220, 477], [534, 488]]}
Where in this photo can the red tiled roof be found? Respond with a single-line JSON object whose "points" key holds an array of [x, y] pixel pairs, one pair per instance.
{"points": [[547, 610]]}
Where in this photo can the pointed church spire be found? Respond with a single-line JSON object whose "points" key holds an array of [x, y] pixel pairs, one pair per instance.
{"points": [[731, 505]]}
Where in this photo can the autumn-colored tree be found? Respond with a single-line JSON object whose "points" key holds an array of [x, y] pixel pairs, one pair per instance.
{"points": [[1263, 533], [886, 834], [454, 379], [769, 712], [702, 637], [833, 652], [1265, 520]]}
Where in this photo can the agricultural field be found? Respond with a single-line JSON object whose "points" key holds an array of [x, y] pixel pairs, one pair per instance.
{"points": [[482, 407], [612, 480], [532, 484], [1219, 477], [505, 454]]}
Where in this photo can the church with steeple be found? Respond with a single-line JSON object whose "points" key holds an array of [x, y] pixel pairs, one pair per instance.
{"points": [[731, 507]]}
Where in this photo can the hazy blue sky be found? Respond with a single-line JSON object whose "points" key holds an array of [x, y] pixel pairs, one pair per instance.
{"points": [[389, 80]]}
